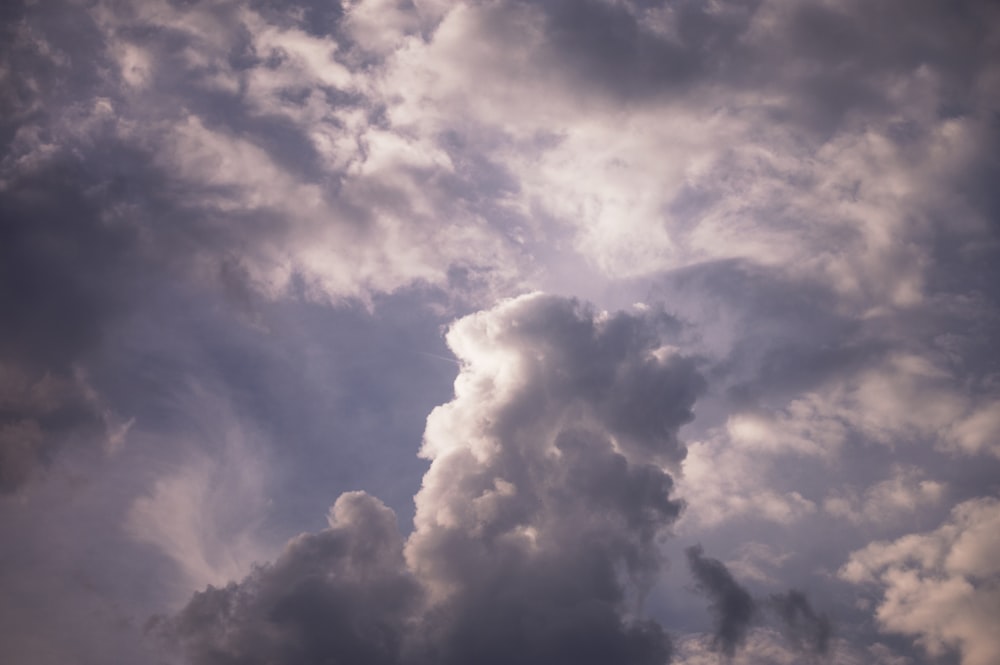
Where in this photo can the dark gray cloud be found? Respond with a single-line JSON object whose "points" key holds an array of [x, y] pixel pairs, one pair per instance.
{"points": [[737, 612], [733, 607], [823, 61], [62, 267], [65, 275], [609, 45], [807, 629], [339, 595]]}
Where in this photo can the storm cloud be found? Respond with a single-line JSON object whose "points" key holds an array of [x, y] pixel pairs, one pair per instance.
{"points": [[567, 286], [806, 628], [737, 612], [732, 605], [537, 524]]}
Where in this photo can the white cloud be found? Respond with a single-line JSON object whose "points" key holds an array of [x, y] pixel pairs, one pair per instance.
{"points": [[736, 469], [800, 428], [877, 401], [943, 586], [668, 182], [758, 561], [383, 211], [722, 481], [660, 183], [379, 26], [978, 432], [905, 492]]}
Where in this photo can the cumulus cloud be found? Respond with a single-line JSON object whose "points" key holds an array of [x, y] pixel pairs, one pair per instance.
{"points": [[809, 185], [722, 481], [379, 136], [705, 174], [340, 594], [941, 586], [734, 469], [537, 526], [267, 135]]}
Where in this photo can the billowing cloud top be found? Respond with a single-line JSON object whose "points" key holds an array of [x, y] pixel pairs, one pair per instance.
{"points": [[719, 279], [536, 522]]}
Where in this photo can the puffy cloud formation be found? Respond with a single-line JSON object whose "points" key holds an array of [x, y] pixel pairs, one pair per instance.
{"points": [[722, 481], [265, 136], [537, 525], [283, 202], [942, 586], [645, 137], [340, 595]]}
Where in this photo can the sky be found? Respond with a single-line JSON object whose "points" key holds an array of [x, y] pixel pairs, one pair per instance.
{"points": [[399, 332]]}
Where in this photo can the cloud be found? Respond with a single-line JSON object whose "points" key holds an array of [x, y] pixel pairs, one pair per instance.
{"points": [[940, 586], [806, 629], [41, 413], [721, 481], [537, 523], [766, 646], [905, 491], [268, 135], [721, 156], [732, 605], [60, 289], [205, 514], [216, 189], [758, 562], [339, 594], [735, 469], [428, 146], [739, 616]]}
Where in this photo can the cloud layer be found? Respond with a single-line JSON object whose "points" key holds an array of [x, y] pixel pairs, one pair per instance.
{"points": [[233, 235]]}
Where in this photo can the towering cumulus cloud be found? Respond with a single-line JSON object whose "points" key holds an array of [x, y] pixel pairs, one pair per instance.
{"points": [[536, 527]]}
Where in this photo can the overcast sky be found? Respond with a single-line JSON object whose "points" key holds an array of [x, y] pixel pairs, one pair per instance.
{"points": [[590, 332]]}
